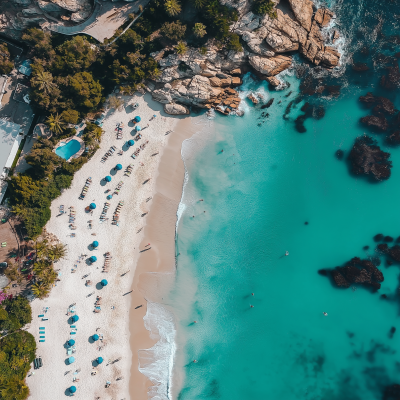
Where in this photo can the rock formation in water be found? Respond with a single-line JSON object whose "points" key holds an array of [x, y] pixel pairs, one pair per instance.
{"points": [[379, 104], [392, 392], [391, 80], [357, 271], [366, 158], [374, 122]]}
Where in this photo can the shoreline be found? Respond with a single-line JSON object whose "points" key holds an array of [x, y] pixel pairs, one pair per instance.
{"points": [[123, 243], [155, 268]]}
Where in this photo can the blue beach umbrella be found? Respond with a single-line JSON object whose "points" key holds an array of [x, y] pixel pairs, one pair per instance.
{"points": [[108, 178], [75, 318], [71, 342], [138, 128], [131, 142], [104, 282], [95, 337], [137, 119], [95, 243], [100, 360], [118, 167], [109, 197], [71, 360], [72, 389], [93, 259], [92, 206]]}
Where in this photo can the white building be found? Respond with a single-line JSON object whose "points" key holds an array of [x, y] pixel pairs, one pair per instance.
{"points": [[10, 139]]}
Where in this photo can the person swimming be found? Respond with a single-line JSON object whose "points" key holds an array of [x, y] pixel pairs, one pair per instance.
{"points": [[325, 313], [286, 253]]}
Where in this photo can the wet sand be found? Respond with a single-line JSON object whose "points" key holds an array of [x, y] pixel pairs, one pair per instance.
{"points": [[160, 259]]}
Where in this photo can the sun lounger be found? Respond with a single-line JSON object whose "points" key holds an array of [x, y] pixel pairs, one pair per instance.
{"points": [[41, 315], [42, 340], [72, 333], [73, 326], [45, 319], [41, 337], [42, 327]]}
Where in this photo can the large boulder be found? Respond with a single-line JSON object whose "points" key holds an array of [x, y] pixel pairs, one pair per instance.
{"points": [[176, 109], [270, 66], [303, 11], [374, 122], [323, 16]]}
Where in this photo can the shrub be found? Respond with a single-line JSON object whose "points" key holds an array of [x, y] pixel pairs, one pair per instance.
{"points": [[172, 7], [6, 66], [199, 29], [263, 7], [19, 313], [181, 48], [174, 30]]}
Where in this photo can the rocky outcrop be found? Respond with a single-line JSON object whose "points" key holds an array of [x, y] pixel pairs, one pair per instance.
{"points": [[303, 11], [376, 123], [379, 104], [176, 109], [366, 158], [270, 66], [198, 79], [357, 271]]}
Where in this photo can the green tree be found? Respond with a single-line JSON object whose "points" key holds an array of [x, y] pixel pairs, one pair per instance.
{"points": [[40, 41], [85, 92], [74, 55], [70, 116], [263, 7], [44, 162], [12, 273], [19, 313], [6, 65], [199, 29], [181, 48], [172, 7], [174, 30], [55, 123], [13, 389]]}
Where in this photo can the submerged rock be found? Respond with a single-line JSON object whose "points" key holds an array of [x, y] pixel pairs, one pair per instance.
{"points": [[380, 104], [357, 271], [392, 392], [394, 252], [269, 104], [391, 80], [394, 138], [339, 154], [366, 158], [378, 123], [378, 237], [360, 67]]}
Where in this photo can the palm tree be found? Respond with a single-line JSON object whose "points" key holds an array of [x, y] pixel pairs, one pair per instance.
{"points": [[55, 123], [40, 290], [56, 252], [172, 7], [40, 266], [49, 276], [44, 80], [14, 389], [199, 3], [199, 29], [41, 249], [181, 48]]}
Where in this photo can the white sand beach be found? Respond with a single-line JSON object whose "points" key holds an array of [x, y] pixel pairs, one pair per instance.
{"points": [[124, 243]]}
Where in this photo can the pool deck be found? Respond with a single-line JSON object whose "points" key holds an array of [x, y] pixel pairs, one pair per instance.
{"points": [[78, 153]]}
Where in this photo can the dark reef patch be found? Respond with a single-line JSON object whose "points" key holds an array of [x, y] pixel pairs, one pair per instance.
{"points": [[339, 154], [366, 158], [378, 237], [392, 332], [356, 271]]}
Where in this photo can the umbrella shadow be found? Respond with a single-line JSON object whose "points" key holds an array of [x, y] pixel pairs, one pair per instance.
{"points": [[125, 147], [88, 262], [91, 340], [70, 321], [66, 361], [113, 171], [103, 182], [68, 393], [99, 286], [134, 132], [91, 247], [95, 363]]}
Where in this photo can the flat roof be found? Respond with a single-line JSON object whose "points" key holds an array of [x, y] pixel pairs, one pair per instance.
{"points": [[9, 143]]}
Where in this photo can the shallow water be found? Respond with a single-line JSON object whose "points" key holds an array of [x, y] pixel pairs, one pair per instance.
{"points": [[258, 193]]}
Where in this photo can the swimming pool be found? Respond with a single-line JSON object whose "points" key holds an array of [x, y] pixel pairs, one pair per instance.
{"points": [[67, 150]]}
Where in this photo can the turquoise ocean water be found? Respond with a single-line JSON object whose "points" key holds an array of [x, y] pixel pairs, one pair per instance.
{"points": [[257, 195]]}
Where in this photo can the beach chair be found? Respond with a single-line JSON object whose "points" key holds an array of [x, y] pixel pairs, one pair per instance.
{"points": [[41, 315], [69, 352], [41, 340], [41, 337], [45, 319]]}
